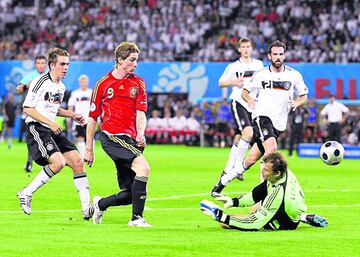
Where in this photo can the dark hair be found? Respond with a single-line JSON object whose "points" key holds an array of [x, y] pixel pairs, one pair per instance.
{"points": [[278, 162], [40, 57], [276, 43]]}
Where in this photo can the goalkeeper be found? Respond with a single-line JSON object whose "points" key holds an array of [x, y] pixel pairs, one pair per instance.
{"points": [[282, 207]]}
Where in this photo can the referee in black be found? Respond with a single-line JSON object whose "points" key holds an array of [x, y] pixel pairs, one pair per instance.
{"points": [[297, 119]]}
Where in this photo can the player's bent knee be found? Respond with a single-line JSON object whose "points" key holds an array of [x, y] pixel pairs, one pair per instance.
{"points": [[141, 167], [247, 133], [57, 162]]}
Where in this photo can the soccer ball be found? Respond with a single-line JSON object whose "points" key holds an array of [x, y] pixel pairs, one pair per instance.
{"points": [[332, 152]]}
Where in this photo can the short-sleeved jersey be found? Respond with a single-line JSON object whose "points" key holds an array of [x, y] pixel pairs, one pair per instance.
{"points": [[178, 123], [30, 76], [45, 96], [275, 90], [244, 70], [334, 111], [154, 123], [116, 101], [80, 100]]}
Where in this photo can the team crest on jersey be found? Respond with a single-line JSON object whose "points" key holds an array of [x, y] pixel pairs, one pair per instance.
{"points": [[133, 92], [287, 85], [265, 131], [49, 146]]}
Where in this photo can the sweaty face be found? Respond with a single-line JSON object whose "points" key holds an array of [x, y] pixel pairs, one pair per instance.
{"points": [[40, 65], [277, 56], [130, 63], [245, 49]]}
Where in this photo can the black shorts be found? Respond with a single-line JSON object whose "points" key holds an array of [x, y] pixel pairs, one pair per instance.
{"points": [[10, 122], [42, 143], [242, 117], [122, 150], [222, 127], [80, 131], [263, 129]]}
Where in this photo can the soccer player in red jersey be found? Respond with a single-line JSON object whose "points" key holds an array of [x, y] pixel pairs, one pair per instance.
{"points": [[119, 99]]}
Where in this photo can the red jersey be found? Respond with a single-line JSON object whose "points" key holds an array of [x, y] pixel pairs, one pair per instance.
{"points": [[117, 101]]}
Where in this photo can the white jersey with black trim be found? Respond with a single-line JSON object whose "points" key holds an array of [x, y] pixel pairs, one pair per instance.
{"points": [[275, 90], [80, 100], [45, 96], [241, 69]]}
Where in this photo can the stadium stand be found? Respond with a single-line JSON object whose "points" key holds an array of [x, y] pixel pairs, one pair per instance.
{"points": [[175, 30]]}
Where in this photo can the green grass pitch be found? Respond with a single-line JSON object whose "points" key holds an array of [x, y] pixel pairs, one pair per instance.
{"points": [[180, 178]]}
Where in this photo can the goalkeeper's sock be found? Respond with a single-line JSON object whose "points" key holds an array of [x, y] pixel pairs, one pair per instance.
{"points": [[138, 196]]}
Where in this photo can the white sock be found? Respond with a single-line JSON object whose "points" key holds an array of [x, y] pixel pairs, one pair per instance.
{"points": [[232, 157], [231, 175], [81, 148], [41, 179], [82, 186], [241, 149]]}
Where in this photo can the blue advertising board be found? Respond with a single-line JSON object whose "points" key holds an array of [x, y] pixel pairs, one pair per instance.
{"points": [[196, 79]]}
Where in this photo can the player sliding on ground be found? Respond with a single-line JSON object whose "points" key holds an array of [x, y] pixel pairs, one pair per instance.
{"points": [[282, 202]]}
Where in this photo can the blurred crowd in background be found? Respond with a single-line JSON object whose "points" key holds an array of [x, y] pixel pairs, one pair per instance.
{"points": [[315, 31]]}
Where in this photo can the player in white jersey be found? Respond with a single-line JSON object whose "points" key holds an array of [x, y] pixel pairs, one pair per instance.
{"points": [[153, 129], [279, 88], [79, 102], [178, 127], [236, 75], [48, 147]]}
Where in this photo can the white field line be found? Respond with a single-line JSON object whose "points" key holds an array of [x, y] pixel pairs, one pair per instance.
{"points": [[195, 195], [168, 209]]}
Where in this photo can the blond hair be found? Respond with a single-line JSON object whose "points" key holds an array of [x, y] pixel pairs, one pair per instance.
{"points": [[53, 54], [244, 40], [123, 50]]}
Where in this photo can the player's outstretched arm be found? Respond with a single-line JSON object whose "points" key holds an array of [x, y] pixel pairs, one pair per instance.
{"points": [[89, 157], [213, 211]]}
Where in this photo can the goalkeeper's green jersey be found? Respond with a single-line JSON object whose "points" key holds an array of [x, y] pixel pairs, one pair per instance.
{"points": [[282, 204]]}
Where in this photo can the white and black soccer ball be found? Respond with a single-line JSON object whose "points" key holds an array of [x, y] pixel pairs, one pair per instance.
{"points": [[332, 152]]}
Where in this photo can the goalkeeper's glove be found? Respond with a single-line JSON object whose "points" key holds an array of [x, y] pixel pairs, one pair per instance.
{"points": [[211, 209], [227, 200]]}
